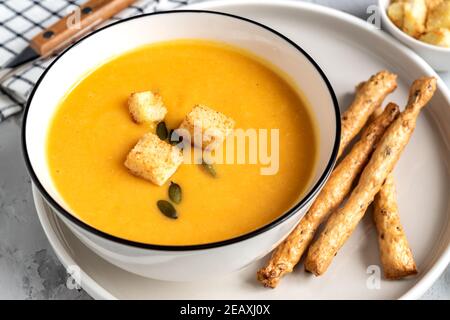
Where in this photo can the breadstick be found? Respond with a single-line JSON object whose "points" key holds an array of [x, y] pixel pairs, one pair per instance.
{"points": [[395, 253], [287, 254], [342, 222], [369, 95]]}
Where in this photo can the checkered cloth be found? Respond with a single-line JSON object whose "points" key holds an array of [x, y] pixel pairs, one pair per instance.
{"points": [[21, 20]]}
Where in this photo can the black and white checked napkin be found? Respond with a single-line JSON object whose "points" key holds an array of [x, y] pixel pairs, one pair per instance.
{"points": [[21, 20]]}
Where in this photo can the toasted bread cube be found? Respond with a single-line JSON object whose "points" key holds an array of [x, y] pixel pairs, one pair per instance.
{"points": [[153, 159], [439, 17], [213, 125], [146, 107], [439, 37], [396, 13], [415, 16], [431, 4]]}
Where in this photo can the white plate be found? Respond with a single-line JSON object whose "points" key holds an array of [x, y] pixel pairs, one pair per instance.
{"points": [[349, 51]]}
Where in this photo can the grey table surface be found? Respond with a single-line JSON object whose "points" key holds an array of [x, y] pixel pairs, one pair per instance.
{"points": [[29, 268]]}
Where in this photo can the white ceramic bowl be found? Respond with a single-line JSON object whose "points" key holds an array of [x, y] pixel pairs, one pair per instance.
{"points": [[437, 57], [180, 263]]}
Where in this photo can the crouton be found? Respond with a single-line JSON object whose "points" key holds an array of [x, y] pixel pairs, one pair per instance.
{"points": [[153, 159], [146, 107], [439, 17], [439, 37], [431, 4], [415, 16], [213, 126], [396, 13]]}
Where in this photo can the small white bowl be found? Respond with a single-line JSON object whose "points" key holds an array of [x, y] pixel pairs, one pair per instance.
{"points": [[180, 263], [437, 57]]}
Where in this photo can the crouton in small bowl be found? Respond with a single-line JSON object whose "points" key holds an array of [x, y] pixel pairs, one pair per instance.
{"points": [[422, 25], [97, 140]]}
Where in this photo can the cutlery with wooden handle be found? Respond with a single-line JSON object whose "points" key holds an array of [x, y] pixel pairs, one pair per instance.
{"points": [[60, 34]]}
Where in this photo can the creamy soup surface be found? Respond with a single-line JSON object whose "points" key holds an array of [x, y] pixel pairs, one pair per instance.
{"points": [[92, 132]]}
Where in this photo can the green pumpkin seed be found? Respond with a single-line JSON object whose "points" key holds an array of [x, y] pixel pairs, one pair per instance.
{"points": [[175, 192], [161, 131], [209, 168], [167, 209]]}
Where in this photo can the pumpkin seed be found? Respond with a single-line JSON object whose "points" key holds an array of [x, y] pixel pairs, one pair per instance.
{"points": [[209, 168], [167, 209], [161, 130], [175, 192]]}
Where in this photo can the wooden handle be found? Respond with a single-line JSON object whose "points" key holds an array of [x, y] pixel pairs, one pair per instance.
{"points": [[88, 15]]}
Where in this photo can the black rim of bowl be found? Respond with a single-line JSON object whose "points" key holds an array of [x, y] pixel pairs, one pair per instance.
{"points": [[314, 190]]}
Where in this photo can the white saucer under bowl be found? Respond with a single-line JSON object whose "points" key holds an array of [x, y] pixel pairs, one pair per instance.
{"points": [[348, 50]]}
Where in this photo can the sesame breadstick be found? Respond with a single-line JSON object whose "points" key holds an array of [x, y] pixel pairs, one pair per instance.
{"points": [[395, 254], [369, 96], [288, 253], [341, 223]]}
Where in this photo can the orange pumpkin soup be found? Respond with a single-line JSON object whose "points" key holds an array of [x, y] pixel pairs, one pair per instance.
{"points": [[92, 133]]}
